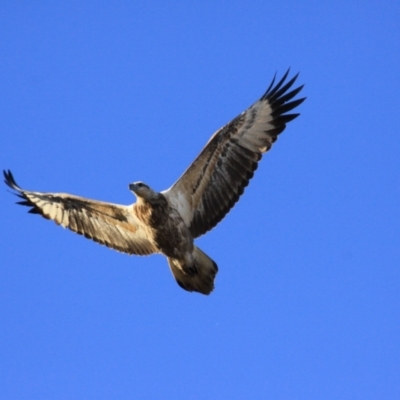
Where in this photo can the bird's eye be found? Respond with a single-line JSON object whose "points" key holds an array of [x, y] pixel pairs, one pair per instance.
{"points": [[140, 184]]}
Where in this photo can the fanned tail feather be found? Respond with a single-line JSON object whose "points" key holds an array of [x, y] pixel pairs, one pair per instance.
{"points": [[203, 280]]}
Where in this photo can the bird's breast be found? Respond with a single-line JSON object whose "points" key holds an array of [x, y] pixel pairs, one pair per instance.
{"points": [[168, 230]]}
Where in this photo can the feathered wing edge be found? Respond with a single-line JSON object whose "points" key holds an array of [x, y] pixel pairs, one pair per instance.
{"points": [[214, 182], [105, 223]]}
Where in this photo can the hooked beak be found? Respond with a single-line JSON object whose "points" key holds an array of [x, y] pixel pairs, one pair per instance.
{"points": [[132, 187]]}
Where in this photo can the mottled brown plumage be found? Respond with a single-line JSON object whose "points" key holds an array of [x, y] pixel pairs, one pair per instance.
{"points": [[167, 222]]}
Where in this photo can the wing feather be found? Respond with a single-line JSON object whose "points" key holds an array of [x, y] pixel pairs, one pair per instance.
{"points": [[211, 186], [109, 224]]}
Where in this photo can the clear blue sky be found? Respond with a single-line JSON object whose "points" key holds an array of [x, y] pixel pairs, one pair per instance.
{"points": [[306, 306]]}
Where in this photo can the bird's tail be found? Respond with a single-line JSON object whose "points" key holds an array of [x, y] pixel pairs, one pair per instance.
{"points": [[202, 280]]}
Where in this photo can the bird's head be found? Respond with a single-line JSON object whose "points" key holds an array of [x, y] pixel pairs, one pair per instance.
{"points": [[141, 190]]}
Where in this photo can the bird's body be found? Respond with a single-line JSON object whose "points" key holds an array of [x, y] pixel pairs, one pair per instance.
{"points": [[170, 235], [169, 221], [164, 225]]}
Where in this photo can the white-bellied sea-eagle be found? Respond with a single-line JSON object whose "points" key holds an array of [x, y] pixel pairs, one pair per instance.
{"points": [[169, 221]]}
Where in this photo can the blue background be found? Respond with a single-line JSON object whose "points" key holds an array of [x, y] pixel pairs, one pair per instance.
{"points": [[306, 306]]}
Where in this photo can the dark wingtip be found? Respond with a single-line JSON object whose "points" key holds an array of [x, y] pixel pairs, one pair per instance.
{"points": [[9, 180], [270, 86], [281, 99], [271, 91]]}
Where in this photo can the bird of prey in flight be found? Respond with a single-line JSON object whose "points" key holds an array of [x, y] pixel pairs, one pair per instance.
{"points": [[169, 221]]}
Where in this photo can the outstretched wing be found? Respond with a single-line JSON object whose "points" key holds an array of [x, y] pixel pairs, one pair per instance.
{"points": [[109, 224], [210, 187]]}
